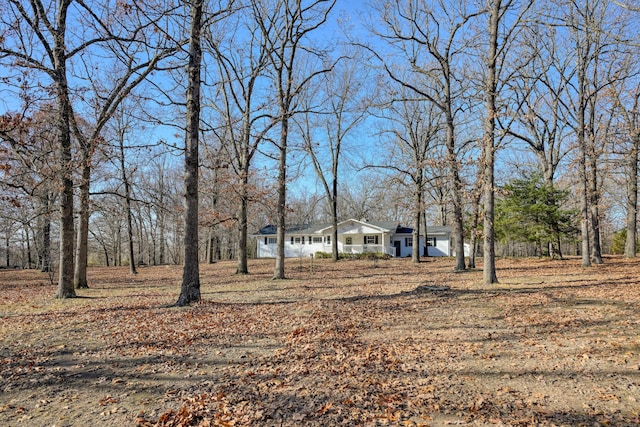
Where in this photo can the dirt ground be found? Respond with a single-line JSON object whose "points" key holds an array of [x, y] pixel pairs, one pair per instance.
{"points": [[350, 343]]}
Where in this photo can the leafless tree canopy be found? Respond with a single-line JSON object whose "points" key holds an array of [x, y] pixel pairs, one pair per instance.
{"points": [[159, 132]]}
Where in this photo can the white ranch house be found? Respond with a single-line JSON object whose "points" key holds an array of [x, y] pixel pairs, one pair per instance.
{"points": [[353, 237]]}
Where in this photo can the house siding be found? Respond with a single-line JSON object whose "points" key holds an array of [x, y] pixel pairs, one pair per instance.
{"points": [[291, 251], [353, 237], [442, 248]]}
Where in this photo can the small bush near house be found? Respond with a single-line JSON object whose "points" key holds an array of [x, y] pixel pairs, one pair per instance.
{"points": [[323, 255], [342, 255]]}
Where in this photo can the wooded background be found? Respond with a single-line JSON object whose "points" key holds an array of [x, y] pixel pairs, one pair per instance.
{"points": [[516, 122]]}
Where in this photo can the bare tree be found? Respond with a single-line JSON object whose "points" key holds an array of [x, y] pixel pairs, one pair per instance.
{"points": [[625, 95], [122, 128], [495, 14], [50, 50], [127, 42], [593, 30], [190, 290], [286, 26], [325, 128], [504, 19], [245, 116], [37, 42], [631, 117], [199, 17], [431, 39], [30, 168], [362, 199], [413, 130], [540, 93], [156, 189]]}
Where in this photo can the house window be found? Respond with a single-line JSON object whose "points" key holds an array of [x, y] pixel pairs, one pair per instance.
{"points": [[431, 241], [371, 240], [328, 240], [297, 240], [272, 240], [317, 240], [348, 241], [408, 242]]}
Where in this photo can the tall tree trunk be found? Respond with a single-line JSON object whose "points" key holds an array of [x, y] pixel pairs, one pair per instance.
{"points": [[7, 247], [489, 273], [415, 249], [45, 258], [292, 21], [243, 263], [426, 234], [594, 196], [214, 248], [45, 231], [583, 57], [584, 210], [28, 241], [127, 198], [594, 201], [632, 199], [558, 247], [334, 219], [154, 247], [65, 277], [282, 198], [161, 237], [117, 249], [473, 245], [582, 170], [473, 250], [82, 245], [190, 291], [555, 249], [456, 185]]}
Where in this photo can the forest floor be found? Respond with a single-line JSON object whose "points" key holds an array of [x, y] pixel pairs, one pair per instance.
{"points": [[348, 343]]}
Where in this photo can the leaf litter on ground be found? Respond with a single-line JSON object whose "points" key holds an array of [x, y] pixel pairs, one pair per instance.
{"points": [[347, 343]]}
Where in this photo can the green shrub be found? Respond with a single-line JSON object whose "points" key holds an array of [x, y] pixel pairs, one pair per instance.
{"points": [[619, 242], [322, 255], [370, 256], [342, 255]]}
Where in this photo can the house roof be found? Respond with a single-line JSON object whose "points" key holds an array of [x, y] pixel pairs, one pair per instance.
{"points": [[438, 229], [432, 230], [385, 226], [293, 229]]}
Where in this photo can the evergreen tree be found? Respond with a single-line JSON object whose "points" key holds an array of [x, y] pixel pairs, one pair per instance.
{"points": [[530, 210]]}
